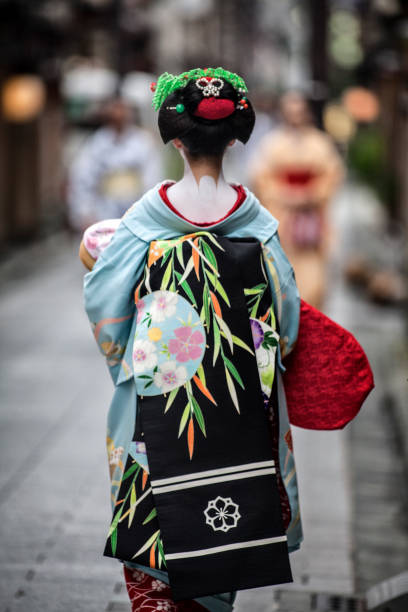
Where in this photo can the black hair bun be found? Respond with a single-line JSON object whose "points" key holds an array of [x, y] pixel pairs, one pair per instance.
{"points": [[204, 136]]}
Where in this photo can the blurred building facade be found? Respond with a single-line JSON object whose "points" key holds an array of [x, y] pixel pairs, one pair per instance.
{"points": [[319, 46]]}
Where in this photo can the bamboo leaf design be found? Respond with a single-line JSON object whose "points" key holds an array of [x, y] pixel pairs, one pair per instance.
{"points": [[200, 374], [190, 437], [216, 304], [186, 287], [132, 505], [196, 258], [225, 331], [255, 290], [240, 343], [114, 541], [198, 414], [152, 556], [150, 516], [189, 267], [233, 371], [204, 389], [209, 253], [179, 254], [217, 341], [171, 398], [218, 287], [162, 558], [184, 419], [255, 308], [213, 239], [130, 471], [206, 302], [165, 256], [147, 544], [166, 277], [231, 389]]}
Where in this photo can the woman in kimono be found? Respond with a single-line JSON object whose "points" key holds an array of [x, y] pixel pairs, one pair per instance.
{"points": [[194, 304], [295, 173]]}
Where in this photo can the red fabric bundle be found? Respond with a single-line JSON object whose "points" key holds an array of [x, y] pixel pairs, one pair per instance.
{"points": [[327, 376], [147, 594]]}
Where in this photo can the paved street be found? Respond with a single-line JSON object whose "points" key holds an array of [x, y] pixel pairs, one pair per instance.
{"points": [[54, 500]]}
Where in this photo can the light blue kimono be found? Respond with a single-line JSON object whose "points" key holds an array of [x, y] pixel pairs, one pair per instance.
{"points": [[110, 305]]}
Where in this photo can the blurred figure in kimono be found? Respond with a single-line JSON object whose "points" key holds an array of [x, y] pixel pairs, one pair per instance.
{"points": [[118, 163], [295, 173]]}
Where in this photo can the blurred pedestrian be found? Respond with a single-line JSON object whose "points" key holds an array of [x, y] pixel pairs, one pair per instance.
{"points": [[118, 163], [295, 173]]}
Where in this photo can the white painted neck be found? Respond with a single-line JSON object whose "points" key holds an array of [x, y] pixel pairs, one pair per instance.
{"points": [[202, 198]]}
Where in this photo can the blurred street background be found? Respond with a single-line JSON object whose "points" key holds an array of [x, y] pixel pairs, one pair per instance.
{"points": [[79, 143]]}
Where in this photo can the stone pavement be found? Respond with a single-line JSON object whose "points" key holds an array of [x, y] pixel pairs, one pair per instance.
{"points": [[54, 500]]}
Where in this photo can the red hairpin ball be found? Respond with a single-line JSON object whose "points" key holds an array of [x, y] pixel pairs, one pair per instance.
{"points": [[215, 108]]}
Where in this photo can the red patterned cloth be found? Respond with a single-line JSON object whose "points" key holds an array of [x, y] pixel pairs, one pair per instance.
{"points": [[327, 374], [147, 593]]}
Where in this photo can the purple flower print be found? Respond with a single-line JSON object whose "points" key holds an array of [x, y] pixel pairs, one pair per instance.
{"points": [[185, 345], [257, 333]]}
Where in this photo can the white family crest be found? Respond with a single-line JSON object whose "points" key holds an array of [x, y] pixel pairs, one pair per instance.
{"points": [[222, 514]]}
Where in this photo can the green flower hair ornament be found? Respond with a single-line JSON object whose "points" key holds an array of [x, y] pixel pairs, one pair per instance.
{"points": [[167, 83]]}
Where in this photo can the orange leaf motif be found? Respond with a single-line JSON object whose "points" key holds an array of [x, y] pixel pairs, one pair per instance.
{"points": [[152, 560], [144, 479], [190, 437], [196, 258], [204, 389], [265, 316], [216, 304]]}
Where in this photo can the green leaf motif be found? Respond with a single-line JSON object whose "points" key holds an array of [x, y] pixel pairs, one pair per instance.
{"points": [[114, 541], [189, 267], [132, 505], [150, 516], [206, 302], [255, 308], [201, 374], [166, 277], [147, 544], [186, 287], [133, 468], [234, 371], [162, 558], [217, 341], [231, 389], [255, 290], [166, 255], [198, 414], [179, 253], [225, 331], [171, 398], [184, 419], [209, 253], [218, 288], [242, 344]]}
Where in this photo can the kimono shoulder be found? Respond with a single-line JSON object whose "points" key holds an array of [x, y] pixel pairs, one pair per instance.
{"points": [[108, 294]]}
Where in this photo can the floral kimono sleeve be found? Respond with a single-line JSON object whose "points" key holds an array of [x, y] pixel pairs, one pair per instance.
{"points": [[285, 293], [108, 295]]}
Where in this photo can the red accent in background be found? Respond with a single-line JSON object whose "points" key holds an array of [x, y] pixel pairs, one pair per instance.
{"points": [[297, 178], [240, 199], [327, 376]]}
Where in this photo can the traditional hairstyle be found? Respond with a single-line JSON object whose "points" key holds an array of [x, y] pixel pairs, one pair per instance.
{"points": [[205, 108]]}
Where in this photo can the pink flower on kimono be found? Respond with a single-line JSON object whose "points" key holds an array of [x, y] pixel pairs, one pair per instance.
{"points": [[140, 306], [186, 344]]}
